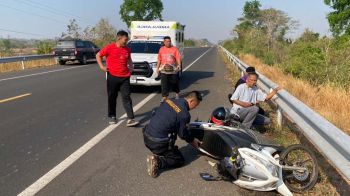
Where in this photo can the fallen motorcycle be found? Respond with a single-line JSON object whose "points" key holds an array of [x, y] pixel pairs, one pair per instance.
{"points": [[251, 161]]}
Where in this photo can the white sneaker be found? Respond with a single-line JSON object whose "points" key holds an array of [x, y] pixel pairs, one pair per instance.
{"points": [[112, 120], [131, 123]]}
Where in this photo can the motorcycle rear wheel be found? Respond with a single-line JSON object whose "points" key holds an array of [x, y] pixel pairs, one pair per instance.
{"points": [[301, 156]]}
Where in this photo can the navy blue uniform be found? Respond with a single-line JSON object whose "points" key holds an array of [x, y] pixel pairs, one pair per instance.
{"points": [[171, 117]]}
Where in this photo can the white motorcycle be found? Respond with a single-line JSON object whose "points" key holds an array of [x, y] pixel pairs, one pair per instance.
{"points": [[253, 162]]}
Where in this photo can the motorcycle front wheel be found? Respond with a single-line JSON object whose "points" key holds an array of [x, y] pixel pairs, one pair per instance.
{"points": [[299, 156]]}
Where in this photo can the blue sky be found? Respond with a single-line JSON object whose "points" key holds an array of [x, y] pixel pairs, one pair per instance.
{"points": [[203, 18]]}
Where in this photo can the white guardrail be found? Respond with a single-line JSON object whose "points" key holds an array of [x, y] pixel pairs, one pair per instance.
{"points": [[332, 142], [22, 59]]}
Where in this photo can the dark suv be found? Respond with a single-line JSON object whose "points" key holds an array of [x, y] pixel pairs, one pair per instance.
{"points": [[72, 50]]}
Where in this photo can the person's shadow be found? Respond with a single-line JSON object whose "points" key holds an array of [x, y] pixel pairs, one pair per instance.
{"points": [[190, 154]]}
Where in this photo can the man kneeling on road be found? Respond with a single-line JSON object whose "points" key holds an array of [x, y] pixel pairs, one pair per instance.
{"points": [[169, 120], [246, 99]]}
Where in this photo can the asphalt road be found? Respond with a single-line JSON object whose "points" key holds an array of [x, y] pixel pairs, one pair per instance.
{"points": [[67, 107]]}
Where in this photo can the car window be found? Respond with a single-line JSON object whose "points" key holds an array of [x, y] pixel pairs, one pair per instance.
{"points": [[66, 44], [145, 47], [87, 44], [80, 44]]}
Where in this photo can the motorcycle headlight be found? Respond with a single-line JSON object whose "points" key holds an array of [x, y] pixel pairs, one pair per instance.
{"points": [[273, 169], [153, 65]]}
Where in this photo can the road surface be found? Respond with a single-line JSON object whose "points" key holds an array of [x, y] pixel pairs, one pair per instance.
{"points": [[49, 113]]}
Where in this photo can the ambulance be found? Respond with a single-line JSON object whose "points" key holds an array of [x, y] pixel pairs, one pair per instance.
{"points": [[146, 38]]}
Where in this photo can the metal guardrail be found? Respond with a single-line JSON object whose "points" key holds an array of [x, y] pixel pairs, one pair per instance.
{"points": [[22, 59], [25, 58], [332, 142]]}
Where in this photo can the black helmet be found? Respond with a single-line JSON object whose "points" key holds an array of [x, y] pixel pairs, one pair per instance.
{"points": [[219, 116]]}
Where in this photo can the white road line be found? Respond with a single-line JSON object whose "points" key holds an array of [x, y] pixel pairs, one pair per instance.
{"points": [[41, 73], [58, 169], [196, 59]]}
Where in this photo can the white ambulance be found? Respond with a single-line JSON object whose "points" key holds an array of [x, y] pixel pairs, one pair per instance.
{"points": [[145, 42]]}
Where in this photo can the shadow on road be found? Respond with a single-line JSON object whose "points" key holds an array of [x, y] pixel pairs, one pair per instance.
{"points": [[145, 89], [77, 63], [192, 77], [144, 117], [190, 153]]}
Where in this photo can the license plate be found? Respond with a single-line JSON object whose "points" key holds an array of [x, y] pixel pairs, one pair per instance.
{"points": [[65, 57], [133, 79]]}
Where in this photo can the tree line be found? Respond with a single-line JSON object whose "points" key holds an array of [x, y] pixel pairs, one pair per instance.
{"points": [[318, 59], [101, 34]]}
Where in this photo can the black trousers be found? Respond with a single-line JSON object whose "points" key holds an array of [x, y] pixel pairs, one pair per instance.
{"points": [[170, 82], [114, 85], [169, 157]]}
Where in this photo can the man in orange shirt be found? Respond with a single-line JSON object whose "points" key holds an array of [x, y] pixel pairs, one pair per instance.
{"points": [[168, 65]]}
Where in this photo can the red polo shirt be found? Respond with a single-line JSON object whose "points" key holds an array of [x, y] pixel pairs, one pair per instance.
{"points": [[117, 59]]}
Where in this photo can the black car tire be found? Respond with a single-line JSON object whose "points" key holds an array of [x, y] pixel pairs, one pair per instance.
{"points": [[83, 60], [61, 62]]}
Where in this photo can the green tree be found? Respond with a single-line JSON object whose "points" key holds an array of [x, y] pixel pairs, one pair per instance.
{"points": [[276, 24], [141, 10], [6, 47], [73, 29], [309, 36], [262, 32], [339, 19], [44, 47], [88, 33], [189, 43], [103, 33], [251, 13]]}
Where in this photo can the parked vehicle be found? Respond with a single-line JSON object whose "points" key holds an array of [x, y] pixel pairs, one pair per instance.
{"points": [[251, 161], [75, 50], [146, 40]]}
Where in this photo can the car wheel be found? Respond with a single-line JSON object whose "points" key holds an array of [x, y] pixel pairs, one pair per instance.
{"points": [[84, 60], [62, 62]]}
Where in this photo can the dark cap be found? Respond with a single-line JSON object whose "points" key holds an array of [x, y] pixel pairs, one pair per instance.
{"points": [[250, 69]]}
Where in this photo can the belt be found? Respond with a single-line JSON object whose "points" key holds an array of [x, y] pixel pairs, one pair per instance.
{"points": [[154, 139]]}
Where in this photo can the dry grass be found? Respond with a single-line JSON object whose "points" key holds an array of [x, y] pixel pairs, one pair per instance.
{"points": [[286, 136], [331, 102], [15, 66]]}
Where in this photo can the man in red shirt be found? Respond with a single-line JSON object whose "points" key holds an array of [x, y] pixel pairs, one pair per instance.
{"points": [[169, 64], [119, 68]]}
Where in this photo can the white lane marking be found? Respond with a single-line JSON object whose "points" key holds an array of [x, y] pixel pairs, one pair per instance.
{"points": [[15, 97], [41, 73], [58, 169], [197, 59]]}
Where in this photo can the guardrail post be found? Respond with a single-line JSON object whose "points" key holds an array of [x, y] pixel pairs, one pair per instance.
{"points": [[22, 62], [279, 117]]}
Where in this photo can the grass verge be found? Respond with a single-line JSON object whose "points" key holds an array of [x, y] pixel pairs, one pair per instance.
{"points": [[16, 66]]}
